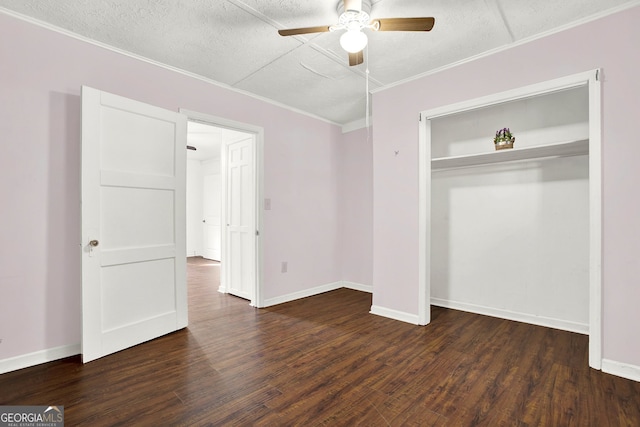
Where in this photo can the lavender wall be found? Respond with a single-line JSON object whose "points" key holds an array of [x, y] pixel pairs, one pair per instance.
{"points": [[356, 207], [610, 43], [40, 77]]}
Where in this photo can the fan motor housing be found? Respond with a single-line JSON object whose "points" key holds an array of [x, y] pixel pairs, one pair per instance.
{"points": [[366, 7]]}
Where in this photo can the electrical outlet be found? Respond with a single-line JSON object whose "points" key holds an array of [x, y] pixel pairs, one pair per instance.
{"points": [[284, 267]]}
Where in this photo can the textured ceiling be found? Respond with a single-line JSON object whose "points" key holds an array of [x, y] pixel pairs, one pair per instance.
{"points": [[235, 42]]}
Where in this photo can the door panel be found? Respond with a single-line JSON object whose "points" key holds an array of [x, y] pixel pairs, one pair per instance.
{"points": [[134, 217], [137, 143], [133, 208], [126, 290]]}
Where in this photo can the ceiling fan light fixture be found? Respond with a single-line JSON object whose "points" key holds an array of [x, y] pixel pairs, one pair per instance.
{"points": [[353, 41], [354, 18]]}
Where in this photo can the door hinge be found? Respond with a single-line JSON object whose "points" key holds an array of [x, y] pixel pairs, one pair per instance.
{"points": [[257, 232]]}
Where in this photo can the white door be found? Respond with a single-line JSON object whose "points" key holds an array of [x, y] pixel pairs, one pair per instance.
{"points": [[133, 223], [240, 234], [212, 199]]}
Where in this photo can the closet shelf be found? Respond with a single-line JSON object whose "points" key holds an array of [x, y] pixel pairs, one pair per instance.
{"points": [[561, 149]]}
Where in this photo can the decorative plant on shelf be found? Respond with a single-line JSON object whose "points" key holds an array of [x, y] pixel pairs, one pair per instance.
{"points": [[504, 139]]}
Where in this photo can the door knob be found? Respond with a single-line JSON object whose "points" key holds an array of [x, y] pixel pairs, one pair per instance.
{"points": [[94, 243]]}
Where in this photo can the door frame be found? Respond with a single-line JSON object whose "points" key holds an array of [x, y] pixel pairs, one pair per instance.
{"points": [[590, 79], [258, 133]]}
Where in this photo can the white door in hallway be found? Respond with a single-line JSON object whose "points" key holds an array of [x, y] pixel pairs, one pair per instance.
{"points": [[240, 215], [211, 207], [133, 223]]}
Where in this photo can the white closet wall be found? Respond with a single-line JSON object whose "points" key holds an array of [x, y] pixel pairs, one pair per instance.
{"points": [[512, 239]]}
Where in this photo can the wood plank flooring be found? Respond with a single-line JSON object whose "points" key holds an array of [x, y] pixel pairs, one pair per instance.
{"points": [[324, 361]]}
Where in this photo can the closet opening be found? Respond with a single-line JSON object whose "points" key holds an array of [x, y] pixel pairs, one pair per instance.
{"points": [[515, 233]]}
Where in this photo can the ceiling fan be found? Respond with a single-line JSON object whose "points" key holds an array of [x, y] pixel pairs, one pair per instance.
{"points": [[354, 17]]}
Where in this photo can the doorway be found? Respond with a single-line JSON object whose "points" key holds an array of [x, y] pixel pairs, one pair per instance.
{"points": [[205, 201], [223, 189]]}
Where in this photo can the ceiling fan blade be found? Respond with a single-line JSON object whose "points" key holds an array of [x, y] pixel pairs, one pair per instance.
{"points": [[307, 30], [356, 58], [405, 24]]}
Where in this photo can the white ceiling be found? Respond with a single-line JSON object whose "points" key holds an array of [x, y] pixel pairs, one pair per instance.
{"points": [[235, 42]]}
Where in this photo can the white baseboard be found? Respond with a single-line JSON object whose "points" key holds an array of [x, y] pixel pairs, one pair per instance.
{"points": [[548, 322], [38, 357], [316, 291], [222, 289], [624, 370], [302, 294], [394, 314], [357, 286]]}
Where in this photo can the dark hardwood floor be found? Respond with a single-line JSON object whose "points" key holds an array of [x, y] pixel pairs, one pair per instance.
{"points": [[324, 361]]}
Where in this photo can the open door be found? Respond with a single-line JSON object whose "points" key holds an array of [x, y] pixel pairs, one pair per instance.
{"points": [[133, 223], [240, 215]]}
